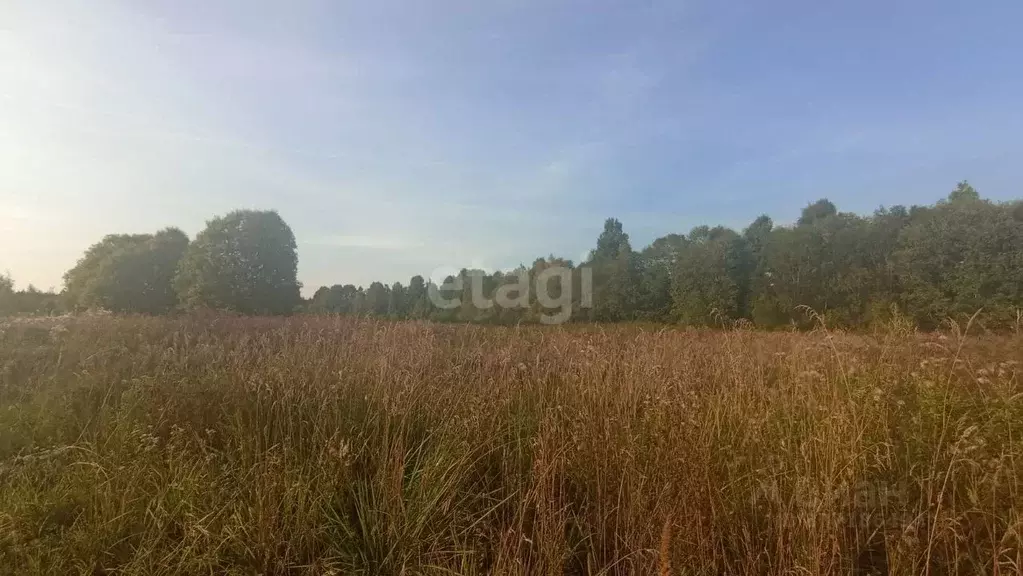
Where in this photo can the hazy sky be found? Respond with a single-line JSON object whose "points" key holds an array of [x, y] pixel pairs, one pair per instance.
{"points": [[396, 137]]}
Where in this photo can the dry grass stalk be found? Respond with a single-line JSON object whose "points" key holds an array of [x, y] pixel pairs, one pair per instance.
{"points": [[344, 446]]}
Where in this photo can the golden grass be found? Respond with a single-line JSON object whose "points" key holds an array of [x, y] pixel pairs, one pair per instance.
{"points": [[344, 446]]}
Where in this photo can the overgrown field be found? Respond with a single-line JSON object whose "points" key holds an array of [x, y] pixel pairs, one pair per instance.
{"points": [[344, 446]]}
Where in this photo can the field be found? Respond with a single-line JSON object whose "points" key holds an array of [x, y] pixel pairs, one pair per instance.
{"points": [[346, 446]]}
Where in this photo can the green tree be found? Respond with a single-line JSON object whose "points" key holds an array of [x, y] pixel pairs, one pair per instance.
{"points": [[470, 280], [244, 262], [755, 239], [818, 210], [336, 299], [397, 303], [510, 286], [658, 262], [1017, 210], [615, 275], [705, 287], [377, 299], [879, 248], [128, 273], [359, 304], [417, 299], [86, 284], [963, 193], [547, 285], [6, 294], [962, 255], [449, 292], [822, 263]]}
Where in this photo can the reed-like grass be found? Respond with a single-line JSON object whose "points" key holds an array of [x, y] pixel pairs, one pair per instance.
{"points": [[343, 446]]}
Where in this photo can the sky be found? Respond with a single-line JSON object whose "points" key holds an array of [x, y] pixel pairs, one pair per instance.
{"points": [[406, 137]]}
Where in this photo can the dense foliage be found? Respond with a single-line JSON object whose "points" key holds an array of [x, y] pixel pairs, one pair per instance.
{"points": [[930, 263], [128, 273], [29, 301], [244, 262], [927, 263]]}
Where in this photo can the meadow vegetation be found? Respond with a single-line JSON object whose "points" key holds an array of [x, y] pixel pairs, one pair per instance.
{"points": [[325, 445]]}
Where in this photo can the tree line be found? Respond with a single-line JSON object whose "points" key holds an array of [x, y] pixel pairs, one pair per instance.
{"points": [[926, 263], [244, 262]]}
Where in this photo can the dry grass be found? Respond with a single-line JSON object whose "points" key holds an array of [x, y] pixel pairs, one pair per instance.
{"points": [[323, 446]]}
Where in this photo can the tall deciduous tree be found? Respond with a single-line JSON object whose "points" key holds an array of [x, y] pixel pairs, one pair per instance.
{"points": [[418, 300], [960, 256], [615, 275], [245, 262], [336, 299], [818, 210], [706, 284], [822, 263], [397, 303], [751, 274], [128, 273], [658, 263], [378, 296]]}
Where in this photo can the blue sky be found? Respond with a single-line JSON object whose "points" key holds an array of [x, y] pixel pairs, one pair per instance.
{"points": [[400, 137]]}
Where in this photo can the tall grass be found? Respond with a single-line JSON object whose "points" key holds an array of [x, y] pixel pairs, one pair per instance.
{"points": [[323, 446]]}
